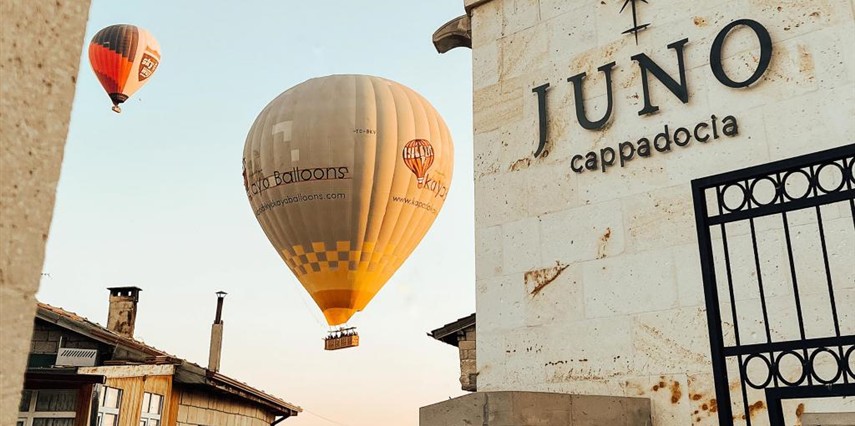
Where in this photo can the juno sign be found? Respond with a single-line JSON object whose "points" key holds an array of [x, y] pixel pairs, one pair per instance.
{"points": [[644, 147]]}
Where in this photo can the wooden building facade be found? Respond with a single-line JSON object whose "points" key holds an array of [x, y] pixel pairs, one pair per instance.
{"points": [[82, 374]]}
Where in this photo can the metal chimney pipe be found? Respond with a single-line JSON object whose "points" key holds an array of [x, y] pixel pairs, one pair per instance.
{"points": [[218, 319], [217, 335]]}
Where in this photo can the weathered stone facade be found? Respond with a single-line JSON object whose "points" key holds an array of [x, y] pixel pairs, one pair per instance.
{"points": [[39, 56], [468, 368], [589, 283]]}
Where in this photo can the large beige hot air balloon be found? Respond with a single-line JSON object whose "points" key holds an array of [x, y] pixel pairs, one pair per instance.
{"points": [[346, 174]]}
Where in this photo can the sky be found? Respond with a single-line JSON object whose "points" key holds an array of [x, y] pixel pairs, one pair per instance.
{"points": [[154, 198]]}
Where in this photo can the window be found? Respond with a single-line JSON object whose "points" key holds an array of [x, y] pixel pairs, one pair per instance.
{"points": [[47, 408], [152, 406], [108, 406]]}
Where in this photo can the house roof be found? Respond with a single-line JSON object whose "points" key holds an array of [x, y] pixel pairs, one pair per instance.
{"points": [[449, 332], [186, 372]]}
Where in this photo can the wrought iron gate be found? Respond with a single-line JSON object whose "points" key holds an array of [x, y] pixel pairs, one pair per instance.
{"points": [[803, 207]]}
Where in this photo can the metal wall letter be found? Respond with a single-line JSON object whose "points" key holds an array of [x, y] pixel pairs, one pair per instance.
{"points": [[765, 53], [580, 100], [541, 114], [646, 64]]}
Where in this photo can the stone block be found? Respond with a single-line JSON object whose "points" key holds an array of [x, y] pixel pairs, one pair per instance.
{"points": [[497, 201], [499, 303], [521, 246], [518, 142], [523, 51], [628, 284], [792, 19], [466, 344], [486, 23], [671, 342], [497, 105], [536, 408], [44, 347], [828, 419], [486, 65], [487, 147], [668, 396], [519, 15], [690, 286], [603, 410], [661, 218], [554, 296], [702, 399], [488, 252], [826, 50], [548, 188], [824, 127], [559, 8], [583, 233], [578, 353]]}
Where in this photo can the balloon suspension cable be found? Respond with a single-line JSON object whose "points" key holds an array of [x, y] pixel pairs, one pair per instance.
{"points": [[341, 338], [116, 109]]}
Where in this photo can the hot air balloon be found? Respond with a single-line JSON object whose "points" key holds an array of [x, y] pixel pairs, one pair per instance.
{"points": [[345, 175], [123, 57]]}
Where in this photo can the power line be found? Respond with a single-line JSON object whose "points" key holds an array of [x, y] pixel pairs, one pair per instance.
{"points": [[324, 418]]}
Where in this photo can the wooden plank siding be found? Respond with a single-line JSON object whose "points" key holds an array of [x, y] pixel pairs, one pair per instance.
{"points": [[170, 417], [132, 395], [213, 409], [84, 405]]}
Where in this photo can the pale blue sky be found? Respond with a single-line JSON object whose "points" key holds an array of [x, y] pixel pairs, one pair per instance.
{"points": [[153, 197]]}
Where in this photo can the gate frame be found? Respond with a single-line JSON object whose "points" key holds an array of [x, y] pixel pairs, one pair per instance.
{"points": [[703, 223]]}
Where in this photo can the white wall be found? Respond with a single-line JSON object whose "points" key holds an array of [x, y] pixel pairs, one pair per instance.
{"points": [[625, 315]]}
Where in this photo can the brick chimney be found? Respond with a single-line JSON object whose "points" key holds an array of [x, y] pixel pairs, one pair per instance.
{"points": [[217, 335], [123, 310]]}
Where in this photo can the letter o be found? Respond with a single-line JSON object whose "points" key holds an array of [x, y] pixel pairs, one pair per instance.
{"points": [[765, 53], [686, 133]]}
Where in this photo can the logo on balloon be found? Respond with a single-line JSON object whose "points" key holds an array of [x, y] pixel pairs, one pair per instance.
{"points": [[147, 66], [418, 156]]}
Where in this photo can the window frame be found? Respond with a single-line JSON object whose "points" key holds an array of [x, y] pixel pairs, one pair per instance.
{"points": [[31, 415], [102, 396], [146, 417]]}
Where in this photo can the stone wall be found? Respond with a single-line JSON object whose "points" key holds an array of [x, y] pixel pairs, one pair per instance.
{"points": [[590, 282], [203, 409], [468, 368], [47, 338], [536, 408], [40, 44]]}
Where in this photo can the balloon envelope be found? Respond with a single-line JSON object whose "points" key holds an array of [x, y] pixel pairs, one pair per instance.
{"points": [[345, 175], [123, 57]]}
